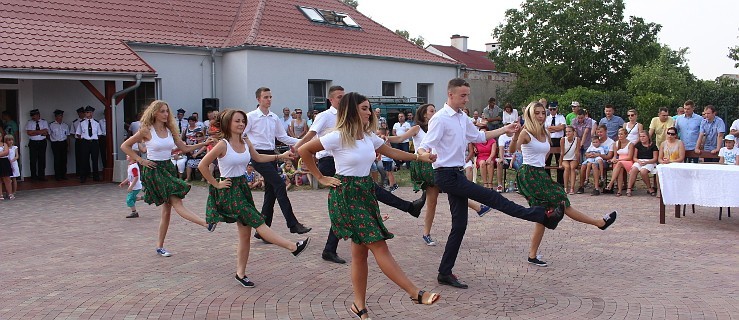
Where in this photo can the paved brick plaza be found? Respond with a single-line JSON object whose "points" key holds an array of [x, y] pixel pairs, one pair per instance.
{"points": [[71, 254]]}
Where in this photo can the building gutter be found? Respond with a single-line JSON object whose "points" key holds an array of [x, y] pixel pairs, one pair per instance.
{"points": [[114, 127], [213, 73]]}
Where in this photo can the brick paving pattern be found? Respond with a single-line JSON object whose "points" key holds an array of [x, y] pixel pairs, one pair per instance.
{"points": [[68, 253]]}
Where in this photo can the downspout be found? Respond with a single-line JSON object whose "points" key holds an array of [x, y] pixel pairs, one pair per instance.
{"points": [[114, 127], [213, 73]]}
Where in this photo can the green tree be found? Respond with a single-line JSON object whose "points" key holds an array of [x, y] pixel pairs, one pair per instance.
{"points": [[420, 41], [577, 43], [352, 3], [734, 55], [668, 75]]}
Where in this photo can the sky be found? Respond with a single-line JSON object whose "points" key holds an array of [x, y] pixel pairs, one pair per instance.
{"points": [[708, 28]]}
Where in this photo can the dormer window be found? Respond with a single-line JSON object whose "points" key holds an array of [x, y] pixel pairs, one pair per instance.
{"points": [[329, 17]]}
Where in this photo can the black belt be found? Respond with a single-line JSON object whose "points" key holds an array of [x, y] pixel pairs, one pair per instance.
{"points": [[265, 151], [449, 169], [89, 139]]}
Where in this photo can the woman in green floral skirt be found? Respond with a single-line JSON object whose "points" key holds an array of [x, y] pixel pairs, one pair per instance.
{"points": [[535, 183], [158, 174], [422, 173], [230, 199], [353, 208]]}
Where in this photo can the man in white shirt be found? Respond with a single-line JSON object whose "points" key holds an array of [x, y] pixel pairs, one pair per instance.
{"points": [[449, 133], [181, 120], [555, 124], [262, 127], [59, 134], [88, 132], [37, 130], [323, 124], [286, 118], [78, 142], [400, 128]]}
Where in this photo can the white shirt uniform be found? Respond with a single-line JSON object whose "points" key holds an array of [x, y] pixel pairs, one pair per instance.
{"points": [[181, 125], [558, 119], [262, 129], [58, 131], [42, 124], [84, 132], [75, 124], [449, 133], [324, 123], [352, 161], [401, 129], [103, 126]]}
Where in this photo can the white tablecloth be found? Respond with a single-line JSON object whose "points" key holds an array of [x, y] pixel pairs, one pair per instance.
{"points": [[707, 185]]}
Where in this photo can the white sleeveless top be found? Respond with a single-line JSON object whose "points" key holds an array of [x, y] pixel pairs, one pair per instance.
{"points": [[418, 138], [535, 152], [569, 149], [159, 149], [233, 164], [623, 152], [633, 135]]}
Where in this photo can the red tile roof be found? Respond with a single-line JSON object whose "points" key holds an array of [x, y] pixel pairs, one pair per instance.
{"points": [[92, 35], [473, 59]]}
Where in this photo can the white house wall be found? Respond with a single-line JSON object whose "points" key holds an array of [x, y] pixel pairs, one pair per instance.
{"points": [[185, 75], [287, 74]]}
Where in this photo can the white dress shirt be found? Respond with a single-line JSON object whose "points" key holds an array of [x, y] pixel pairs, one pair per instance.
{"points": [[42, 124], [82, 129], [449, 133], [558, 119], [103, 127], [324, 123], [58, 131], [262, 129]]}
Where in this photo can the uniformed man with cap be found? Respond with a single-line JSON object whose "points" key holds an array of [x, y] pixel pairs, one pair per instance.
{"points": [[59, 134], [88, 132], [181, 120], [77, 141], [37, 130]]}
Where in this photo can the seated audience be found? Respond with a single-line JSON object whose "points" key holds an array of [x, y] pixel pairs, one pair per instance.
{"points": [[645, 162]]}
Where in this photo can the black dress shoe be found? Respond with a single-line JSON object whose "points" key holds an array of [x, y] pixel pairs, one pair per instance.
{"points": [[450, 280], [299, 229], [417, 205], [333, 257], [554, 216]]}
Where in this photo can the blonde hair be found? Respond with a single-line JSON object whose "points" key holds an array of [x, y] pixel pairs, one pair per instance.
{"points": [[149, 117], [530, 123], [8, 137], [349, 122]]}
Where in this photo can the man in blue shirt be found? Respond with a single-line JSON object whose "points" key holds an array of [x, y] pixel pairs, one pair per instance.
{"points": [[688, 128], [711, 133], [612, 122]]}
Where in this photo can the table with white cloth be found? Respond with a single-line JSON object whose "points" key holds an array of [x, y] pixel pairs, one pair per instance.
{"points": [[708, 185]]}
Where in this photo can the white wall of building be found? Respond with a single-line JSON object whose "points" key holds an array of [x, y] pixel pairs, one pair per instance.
{"points": [[287, 74], [185, 75]]}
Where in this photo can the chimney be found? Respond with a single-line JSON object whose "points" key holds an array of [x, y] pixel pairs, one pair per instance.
{"points": [[491, 46], [460, 42]]}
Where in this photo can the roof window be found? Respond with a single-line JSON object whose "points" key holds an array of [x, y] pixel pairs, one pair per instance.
{"points": [[329, 17]]}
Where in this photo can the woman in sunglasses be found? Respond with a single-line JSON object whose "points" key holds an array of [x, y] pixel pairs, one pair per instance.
{"points": [[632, 127]]}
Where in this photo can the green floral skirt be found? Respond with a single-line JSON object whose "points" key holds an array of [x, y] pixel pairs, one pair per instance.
{"points": [[537, 186], [422, 175], [233, 204], [354, 211], [162, 182]]}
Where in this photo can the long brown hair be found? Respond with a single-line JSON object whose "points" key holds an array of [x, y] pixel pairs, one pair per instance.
{"points": [[223, 122], [149, 117], [348, 121], [421, 116]]}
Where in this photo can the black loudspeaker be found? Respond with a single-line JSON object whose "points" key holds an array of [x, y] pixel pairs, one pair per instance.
{"points": [[210, 104]]}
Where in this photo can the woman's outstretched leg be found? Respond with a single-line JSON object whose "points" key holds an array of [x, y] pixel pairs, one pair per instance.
{"points": [[270, 235], [186, 213], [578, 216], [390, 267]]}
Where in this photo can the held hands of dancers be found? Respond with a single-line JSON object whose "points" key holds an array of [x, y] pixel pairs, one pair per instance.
{"points": [[425, 157], [512, 127], [286, 155]]}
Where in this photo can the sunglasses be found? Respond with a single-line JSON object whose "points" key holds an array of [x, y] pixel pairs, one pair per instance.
{"points": [[672, 133], [631, 115]]}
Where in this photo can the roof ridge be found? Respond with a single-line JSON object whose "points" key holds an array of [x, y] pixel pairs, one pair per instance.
{"points": [[255, 23], [237, 17]]}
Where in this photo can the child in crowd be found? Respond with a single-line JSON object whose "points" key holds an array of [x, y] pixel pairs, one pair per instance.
{"points": [[13, 156], [5, 171], [193, 160], [507, 159], [253, 178], [387, 162], [302, 176], [593, 161], [569, 156], [133, 180], [288, 172], [727, 154]]}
